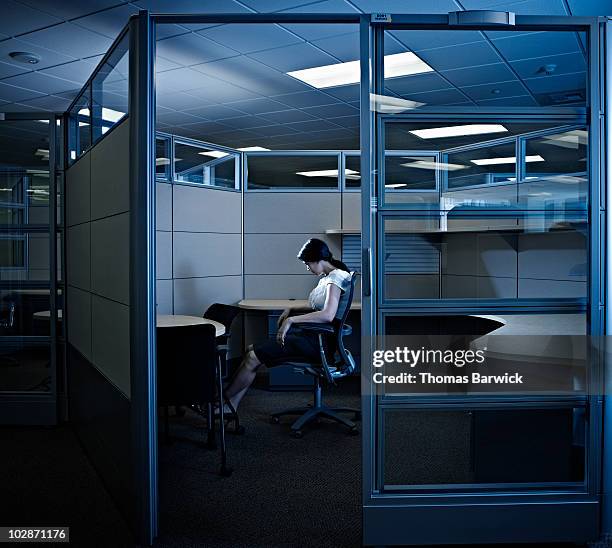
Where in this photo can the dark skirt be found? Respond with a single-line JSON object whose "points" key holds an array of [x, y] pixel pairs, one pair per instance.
{"points": [[299, 347]]}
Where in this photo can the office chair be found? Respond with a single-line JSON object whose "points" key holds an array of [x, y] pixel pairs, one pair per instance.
{"points": [[343, 365], [225, 314], [188, 373]]}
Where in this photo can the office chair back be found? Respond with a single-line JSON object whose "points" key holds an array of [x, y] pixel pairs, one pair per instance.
{"points": [[186, 365], [222, 313], [342, 330]]}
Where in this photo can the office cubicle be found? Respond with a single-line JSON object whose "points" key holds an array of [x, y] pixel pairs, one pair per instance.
{"points": [[515, 242]]}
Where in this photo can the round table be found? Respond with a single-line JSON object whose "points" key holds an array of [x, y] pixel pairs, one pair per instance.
{"points": [[178, 320]]}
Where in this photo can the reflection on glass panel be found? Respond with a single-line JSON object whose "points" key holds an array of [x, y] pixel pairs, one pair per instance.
{"points": [[352, 171], [204, 165], [24, 365], [411, 180], [110, 90], [480, 446], [529, 353], [80, 125], [510, 257], [556, 76], [560, 181], [286, 172], [162, 158], [24, 311]]}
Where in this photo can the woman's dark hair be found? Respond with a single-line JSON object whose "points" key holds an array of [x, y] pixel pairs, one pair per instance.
{"points": [[315, 250]]}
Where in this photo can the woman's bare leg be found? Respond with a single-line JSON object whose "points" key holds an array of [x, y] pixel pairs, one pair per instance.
{"points": [[243, 379]]}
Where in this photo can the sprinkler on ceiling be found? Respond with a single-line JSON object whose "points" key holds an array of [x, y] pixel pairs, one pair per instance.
{"points": [[25, 57]]}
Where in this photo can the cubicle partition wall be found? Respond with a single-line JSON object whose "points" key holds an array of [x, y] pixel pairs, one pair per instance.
{"points": [[108, 205]]}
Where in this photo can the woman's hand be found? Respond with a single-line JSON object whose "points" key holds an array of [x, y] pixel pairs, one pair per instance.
{"points": [[282, 331], [283, 317]]}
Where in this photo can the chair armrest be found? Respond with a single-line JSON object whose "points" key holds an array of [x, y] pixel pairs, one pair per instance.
{"points": [[322, 328]]}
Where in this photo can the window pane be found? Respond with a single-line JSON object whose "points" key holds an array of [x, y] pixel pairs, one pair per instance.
{"points": [[411, 180], [352, 171], [480, 446], [110, 90], [453, 256], [80, 125], [204, 165], [303, 172]]}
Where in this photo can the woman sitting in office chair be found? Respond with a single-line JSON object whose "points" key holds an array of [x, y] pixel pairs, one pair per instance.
{"points": [[328, 300]]}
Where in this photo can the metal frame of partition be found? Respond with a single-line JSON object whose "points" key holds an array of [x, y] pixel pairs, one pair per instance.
{"points": [[381, 506]]}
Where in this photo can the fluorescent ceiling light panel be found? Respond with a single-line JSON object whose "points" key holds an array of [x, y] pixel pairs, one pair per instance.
{"points": [[213, 153], [395, 185], [506, 160], [162, 161], [254, 149], [570, 139], [343, 74], [108, 114], [427, 164], [391, 105], [326, 173], [458, 131]]}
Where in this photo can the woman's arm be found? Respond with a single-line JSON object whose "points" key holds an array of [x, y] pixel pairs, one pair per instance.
{"points": [[332, 298]]}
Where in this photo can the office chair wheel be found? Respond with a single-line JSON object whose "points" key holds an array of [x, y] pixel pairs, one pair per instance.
{"points": [[353, 431], [226, 471], [297, 434], [274, 420]]}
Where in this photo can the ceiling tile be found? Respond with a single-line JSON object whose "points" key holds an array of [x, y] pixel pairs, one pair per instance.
{"points": [[258, 106], [416, 83], [537, 44], [210, 128], [295, 57], [109, 22], [521, 101], [192, 49], [215, 112], [79, 71], [590, 7], [13, 93], [520, 7], [417, 40], [19, 107], [288, 116], [566, 63], [314, 125], [274, 130], [485, 74], [345, 93], [344, 47], [557, 84], [331, 111], [68, 9], [248, 38], [62, 38], [217, 91], [305, 99], [316, 31], [178, 101], [42, 82], [17, 18], [11, 70], [246, 122], [50, 102], [181, 79], [189, 7], [504, 89], [399, 6], [274, 5], [48, 57], [479, 53], [252, 75], [347, 121], [439, 97], [177, 118]]}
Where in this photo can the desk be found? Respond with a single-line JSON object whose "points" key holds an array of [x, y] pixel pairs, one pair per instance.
{"points": [[280, 304], [177, 320]]}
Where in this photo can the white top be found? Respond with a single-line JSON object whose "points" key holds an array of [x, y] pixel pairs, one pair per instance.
{"points": [[177, 320], [338, 277]]}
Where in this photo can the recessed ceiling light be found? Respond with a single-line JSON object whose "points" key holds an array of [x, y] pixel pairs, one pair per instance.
{"points": [[25, 57], [42, 153], [427, 164], [108, 114], [506, 160], [254, 149], [458, 131], [391, 105], [213, 153], [343, 74], [395, 185], [326, 173]]}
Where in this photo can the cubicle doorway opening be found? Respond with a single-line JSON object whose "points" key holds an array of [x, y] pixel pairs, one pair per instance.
{"points": [[254, 157]]}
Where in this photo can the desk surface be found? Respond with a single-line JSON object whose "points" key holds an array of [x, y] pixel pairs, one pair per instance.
{"points": [[280, 304], [177, 320]]}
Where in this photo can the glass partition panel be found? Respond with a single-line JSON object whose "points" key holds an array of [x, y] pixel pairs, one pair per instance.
{"points": [[483, 446], [505, 257], [24, 366], [162, 158], [352, 171], [292, 171], [412, 179], [204, 165], [80, 125], [110, 90]]}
